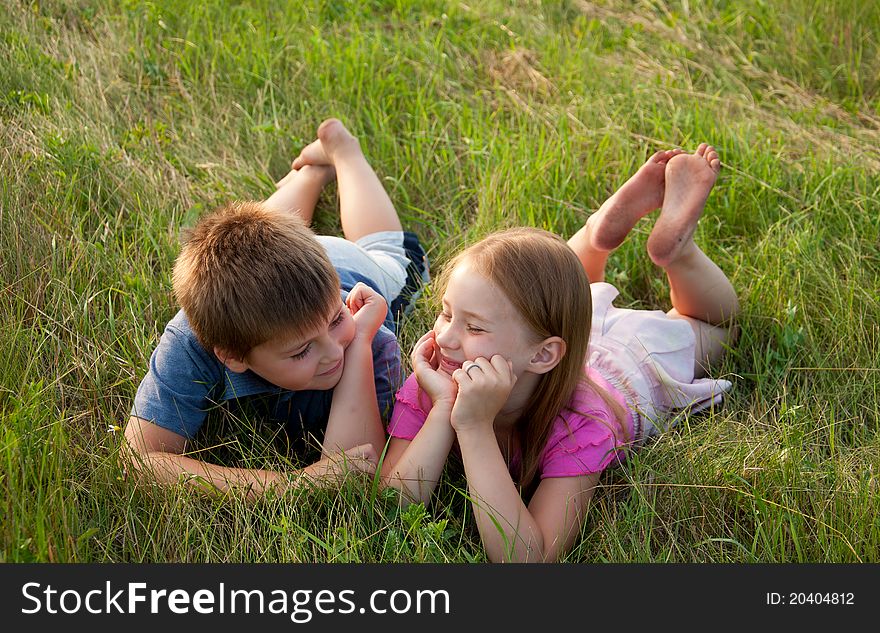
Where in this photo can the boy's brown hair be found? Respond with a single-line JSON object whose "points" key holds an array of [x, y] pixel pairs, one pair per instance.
{"points": [[249, 273]]}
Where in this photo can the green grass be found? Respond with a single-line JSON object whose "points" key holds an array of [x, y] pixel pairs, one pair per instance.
{"points": [[121, 122]]}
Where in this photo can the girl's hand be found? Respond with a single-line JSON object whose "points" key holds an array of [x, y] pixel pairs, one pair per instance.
{"points": [[425, 361], [482, 392], [368, 308]]}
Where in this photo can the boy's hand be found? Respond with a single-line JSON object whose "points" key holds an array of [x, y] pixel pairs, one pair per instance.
{"points": [[360, 459], [333, 468], [368, 308], [482, 392], [426, 363]]}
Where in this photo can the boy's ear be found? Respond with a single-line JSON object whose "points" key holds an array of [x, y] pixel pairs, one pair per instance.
{"points": [[230, 360], [548, 356]]}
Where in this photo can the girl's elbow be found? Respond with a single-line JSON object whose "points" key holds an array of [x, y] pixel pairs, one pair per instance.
{"points": [[392, 481]]}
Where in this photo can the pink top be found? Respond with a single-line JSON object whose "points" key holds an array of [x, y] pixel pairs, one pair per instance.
{"points": [[582, 441]]}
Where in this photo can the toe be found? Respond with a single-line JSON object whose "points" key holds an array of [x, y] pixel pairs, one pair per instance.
{"points": [[712, 157], [332, 129], [701, 150], [327, 124]]}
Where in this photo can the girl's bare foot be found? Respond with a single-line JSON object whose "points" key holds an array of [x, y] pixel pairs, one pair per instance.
{"points": [[689, 179], [334, 142], [638, 196]]}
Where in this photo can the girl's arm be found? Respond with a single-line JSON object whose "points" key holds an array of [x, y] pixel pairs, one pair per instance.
{"points": [[510, 531], [414, 466], [354, 412]]}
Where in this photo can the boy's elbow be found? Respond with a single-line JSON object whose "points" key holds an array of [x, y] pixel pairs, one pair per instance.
{"points": [[143, 441]]}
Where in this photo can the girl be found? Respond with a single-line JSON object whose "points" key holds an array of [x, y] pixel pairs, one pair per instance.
{"points": [[541, 381]]}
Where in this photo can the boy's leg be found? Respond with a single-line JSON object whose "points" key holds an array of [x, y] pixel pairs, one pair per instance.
{"points": [[298, 191], [364, 205], [700, 291], [377, 245], [606, 229]]}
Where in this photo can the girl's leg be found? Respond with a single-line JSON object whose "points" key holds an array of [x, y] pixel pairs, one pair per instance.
{"points": [[606, 229], [592, 259], [703, 295], [364, 205], [700, 291]]}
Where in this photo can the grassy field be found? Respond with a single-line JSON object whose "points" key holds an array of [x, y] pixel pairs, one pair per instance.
{"points": [[120, 122]]}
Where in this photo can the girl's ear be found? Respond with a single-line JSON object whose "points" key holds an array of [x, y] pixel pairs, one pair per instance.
{"points": [[550, 352], [230, 360]]}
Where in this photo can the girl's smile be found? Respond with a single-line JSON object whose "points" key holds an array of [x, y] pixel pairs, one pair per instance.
{"points": [[478, 320], [447, 365]]}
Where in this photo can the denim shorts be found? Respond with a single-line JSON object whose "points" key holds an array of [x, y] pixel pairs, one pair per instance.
{"points": [[394, 260]]}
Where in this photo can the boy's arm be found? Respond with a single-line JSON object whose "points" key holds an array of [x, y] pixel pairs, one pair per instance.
{"points": [[156, 454], [354, 412]]}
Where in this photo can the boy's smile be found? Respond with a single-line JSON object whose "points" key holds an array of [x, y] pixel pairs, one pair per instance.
{"points": [[312, 361]]}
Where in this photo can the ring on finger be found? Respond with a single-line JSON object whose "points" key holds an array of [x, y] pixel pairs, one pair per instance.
{"points": [[472, 366]]}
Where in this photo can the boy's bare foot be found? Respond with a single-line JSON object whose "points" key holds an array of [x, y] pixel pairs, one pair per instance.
{"points": [[323, 174], [334, 142], [638, 196], [311, 154], [689, 179], [337, 140]]}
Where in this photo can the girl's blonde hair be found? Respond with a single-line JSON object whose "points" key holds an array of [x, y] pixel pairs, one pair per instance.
{"points": [[546, 282]]}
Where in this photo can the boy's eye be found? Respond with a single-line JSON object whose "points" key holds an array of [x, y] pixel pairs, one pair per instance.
{"points": [[445, 316], [338, 319], [303, 353], [471, 328]]}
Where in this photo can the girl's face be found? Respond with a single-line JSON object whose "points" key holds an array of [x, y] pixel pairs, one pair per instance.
{"points": [[477, 319]]}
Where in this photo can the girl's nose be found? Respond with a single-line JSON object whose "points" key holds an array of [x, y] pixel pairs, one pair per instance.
{"points": [[445, 337]]}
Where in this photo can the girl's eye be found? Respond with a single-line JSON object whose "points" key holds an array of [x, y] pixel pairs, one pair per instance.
{"points": [[303, 353], [337, 320], [475, 330], [445, 316]]}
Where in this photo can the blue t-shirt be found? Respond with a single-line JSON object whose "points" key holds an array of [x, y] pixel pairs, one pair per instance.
{"points": [[185, 381]]}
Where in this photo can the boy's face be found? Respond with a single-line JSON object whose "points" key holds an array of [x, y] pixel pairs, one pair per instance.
{"points": [[312, 361]]}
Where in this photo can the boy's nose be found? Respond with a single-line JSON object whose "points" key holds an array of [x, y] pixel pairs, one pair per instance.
{"points": [[331, 348]]}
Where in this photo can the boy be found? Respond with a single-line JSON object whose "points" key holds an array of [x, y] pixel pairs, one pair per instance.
{"points": [[272, 313]]}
